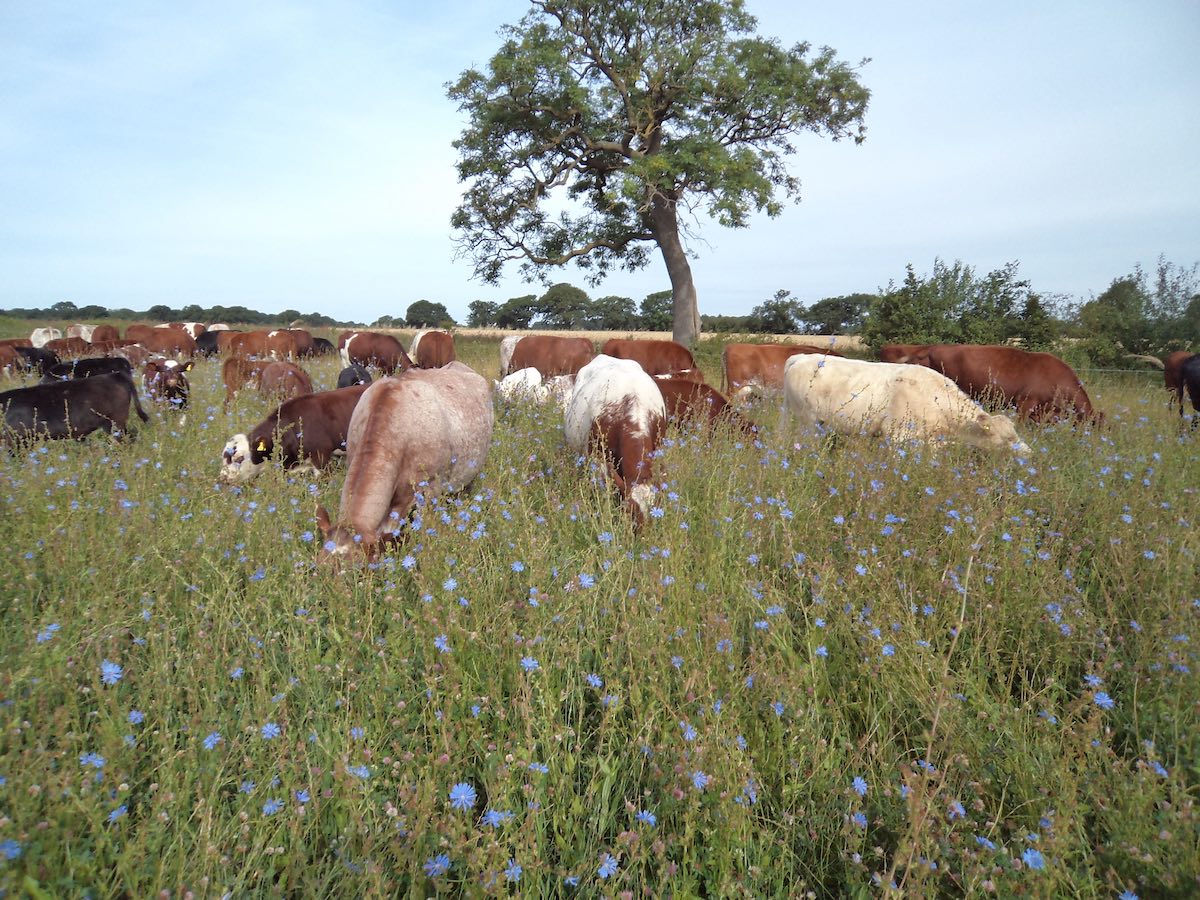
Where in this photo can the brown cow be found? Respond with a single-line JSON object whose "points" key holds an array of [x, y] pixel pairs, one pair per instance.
{"points": [[746, 367], [103, 333], [16, 342], [1172, 377], [133, 352], [237, 372], [551, 355], [432, 349], [136, 332], [428, 431], [283, 380], [372, 348], [310, 428], [165, 381], [695, 401], [169, 341], [10, 360], [655, 357], [279, 344], [80, 330], [193, 329], [69, 347], [1040, 385]]}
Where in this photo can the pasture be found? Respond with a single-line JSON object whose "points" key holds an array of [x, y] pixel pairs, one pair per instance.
{"points": [[824, 666]]}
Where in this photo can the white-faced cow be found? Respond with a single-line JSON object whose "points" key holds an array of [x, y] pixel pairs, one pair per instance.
{"points": [[893, 400], [309, 429], [426, 432], [508, 343], [617, 411], [165, 381]]}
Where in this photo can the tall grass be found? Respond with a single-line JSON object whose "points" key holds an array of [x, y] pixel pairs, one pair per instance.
{"points": [[825, 667]]}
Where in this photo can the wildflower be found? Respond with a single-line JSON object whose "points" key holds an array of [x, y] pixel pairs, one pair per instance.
{"points": [[1104, 701], [529, 664], [236, 672], [246, 787], [518, 566], [442, 643], [302, 796], [270, 731], [646, 817], [110, 672], [10, 849], [724, 645], [540, 768], [363, 772], [1127, 895], [496, 817], [689, 733], [512, 871], [595, 681], [608, 866], [700, 780], [822, 651], [956, 811], [48, 632], [586, 580], [438, 865], [136, 717], [462, 796], [860, 785], [859, 819], [212, 740], [118, 813], [356, 733], [450, 584], [1033, 859], [888, 650], [984, 842], [271, 807], [777, 707]]}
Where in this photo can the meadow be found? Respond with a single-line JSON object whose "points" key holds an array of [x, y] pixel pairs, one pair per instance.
{"points": [[824, 668]]}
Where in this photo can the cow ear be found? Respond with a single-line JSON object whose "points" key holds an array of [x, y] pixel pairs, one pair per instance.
{"points": [[323, 522]]}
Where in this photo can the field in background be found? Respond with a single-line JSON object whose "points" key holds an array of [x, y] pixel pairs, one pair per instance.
{"points": [[824, 666]]}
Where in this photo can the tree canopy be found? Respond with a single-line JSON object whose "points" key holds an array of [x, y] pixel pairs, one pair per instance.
{"points": [[598, 123]]}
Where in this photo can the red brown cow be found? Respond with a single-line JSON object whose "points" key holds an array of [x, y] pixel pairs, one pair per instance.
{"points": [[193, 329], [617, 410], [16, 342], [10, 360], [283, 380], [551, 355], [134, 352], [428, 431], [1040, 385], [280, 343], [69, 347], [311, 428], [372, 348], [746, 367], [1172, 377], [693, 401], [102, 333], [432, 349], [136, 332], [655, 357], [169, 341], [237, 372]]}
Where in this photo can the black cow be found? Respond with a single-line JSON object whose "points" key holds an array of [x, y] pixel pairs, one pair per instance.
{"points": [[322, 347], [1189, 376], [69, 409], [352, 375], [87, 368], [38, 358], [206, 344]]}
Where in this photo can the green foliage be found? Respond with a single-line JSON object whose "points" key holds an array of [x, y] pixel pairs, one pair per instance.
{"points": [[1036, 328], [517, 312], [427, 314], [630, 111], [613, 313], [655, 311], [482, 314], [837, 315], [564, 306], [779, 315]]}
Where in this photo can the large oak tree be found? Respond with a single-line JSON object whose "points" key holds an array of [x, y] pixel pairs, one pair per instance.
{"points": [[599, 123]]}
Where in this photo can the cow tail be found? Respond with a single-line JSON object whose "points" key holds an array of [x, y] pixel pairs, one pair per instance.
{"points": [[137, 404]]}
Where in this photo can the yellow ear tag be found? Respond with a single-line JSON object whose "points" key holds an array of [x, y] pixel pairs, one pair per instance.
{"points": [[262, 447]]}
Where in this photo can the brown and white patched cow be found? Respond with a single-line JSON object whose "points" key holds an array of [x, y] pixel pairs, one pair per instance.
{"points": [[373, 348], [551, 354], [309, 429], [165, 381], [427, 432], [617, 411], [746, 368], [432, 349], [655, 357], [281, 343]]}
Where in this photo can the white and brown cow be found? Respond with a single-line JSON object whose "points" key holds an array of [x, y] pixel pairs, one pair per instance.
{"points": [[617, 410], [528, 385], [308, 429], [428, 431], [508, 343], [165, 381], [373, 348], [432, 348], [893, 400]]}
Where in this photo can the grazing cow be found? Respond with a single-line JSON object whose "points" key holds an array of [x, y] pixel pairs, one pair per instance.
{"points": [[217, 326], [135, 353], [618, 411], [104, 333], [69, 409], [352, 375], [41, 336], [552, 355], [322, 347], [893, 400], [1040, 385], [1189, 375], [237, 372], [38, 358], [303, 342], [206, 344], [427, 432], [507, 344], [432, 349], [655, 357], [168, 341], [137, 332], [70, 346], [688, 400], [192, 329], [311, 428], [80, 330], [528, 384], [15, 342], [1172, 376], [283, 380], [10, 359], [87, 368], [281, 344], [164, 380], [372, 348], [749, 367]]}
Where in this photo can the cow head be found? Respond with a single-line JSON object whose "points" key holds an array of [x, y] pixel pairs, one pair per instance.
{"points": [[340, 543], [995, 433], [240, 461]]}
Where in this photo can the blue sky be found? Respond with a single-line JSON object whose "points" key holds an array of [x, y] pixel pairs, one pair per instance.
{"points": [[298, 155]]}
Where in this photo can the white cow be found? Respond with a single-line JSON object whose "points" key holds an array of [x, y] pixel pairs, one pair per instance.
{"points": [[80, 330], [42, 336], [528, 384], [892, 400], [618, 410], [507, 345]]}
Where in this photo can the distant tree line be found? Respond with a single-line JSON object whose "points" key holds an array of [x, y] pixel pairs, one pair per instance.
{"points": [[160, 312]]}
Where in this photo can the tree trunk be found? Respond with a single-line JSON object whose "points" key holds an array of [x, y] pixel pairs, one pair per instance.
{"points": [[685, 318]]}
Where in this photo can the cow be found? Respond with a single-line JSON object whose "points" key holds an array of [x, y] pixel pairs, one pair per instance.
{"points": [[283, 380], [432, 349], [217, 326], [135, 353], [281, 343], [1172, 377], [352, 375], [893, 400], [15, 342], [69, 409], [168, 341], [426, 433], [322, 347], [1189, 376], [206, 344], [80, 330], [165, 380], [688, 400], [10, 360], [103, 333], [551, 354], [192, 329], [507, 344], [40, 336], [311, 428], [617, 411], [38, 358], [1040, 385], [655, 357], [528, 384], [69, 346], [746, 368], [372, 348], [237, 372], [87, 368], [137, 331]]}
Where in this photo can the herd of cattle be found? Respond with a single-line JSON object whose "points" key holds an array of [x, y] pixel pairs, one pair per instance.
{"points": [[426, 427]]}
